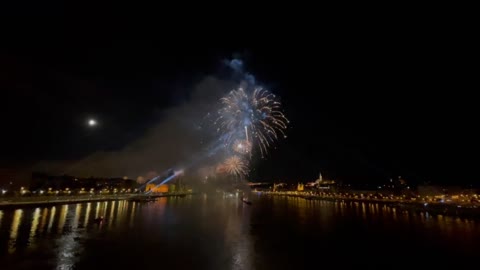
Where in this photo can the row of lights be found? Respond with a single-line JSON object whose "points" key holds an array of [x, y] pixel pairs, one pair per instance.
{"points": [[68, 191], [402, 197]]}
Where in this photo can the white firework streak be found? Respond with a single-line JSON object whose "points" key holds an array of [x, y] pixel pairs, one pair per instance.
{"points": [[254, 116]]}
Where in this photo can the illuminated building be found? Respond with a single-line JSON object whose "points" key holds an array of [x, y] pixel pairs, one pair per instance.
{"points": [[321, 183], [157, 189], [300, 187]]}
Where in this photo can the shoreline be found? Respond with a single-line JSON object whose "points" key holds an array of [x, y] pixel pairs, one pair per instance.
{"points": [[447, 209], [38, 201]]}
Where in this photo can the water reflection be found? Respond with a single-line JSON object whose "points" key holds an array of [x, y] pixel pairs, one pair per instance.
{"points": [[97, 209], [44, 220], [364, 211], [63, 217], [242, 246], [76, 219], [87, 214], [112, 209], [52, 216], [104, 209], [67, 219], [132, 214], [33, 228], [17, 217], [121, 212], [371, 212], [226, 233]]}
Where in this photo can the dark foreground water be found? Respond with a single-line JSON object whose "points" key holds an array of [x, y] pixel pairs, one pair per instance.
{"points": [[211, 232]]}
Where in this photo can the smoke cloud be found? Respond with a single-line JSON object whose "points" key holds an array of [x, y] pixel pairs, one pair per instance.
{"points": [[179, 140], [237, 66]]}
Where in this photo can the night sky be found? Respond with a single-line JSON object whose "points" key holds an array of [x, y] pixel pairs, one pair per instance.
{"points": [[364, 107]]}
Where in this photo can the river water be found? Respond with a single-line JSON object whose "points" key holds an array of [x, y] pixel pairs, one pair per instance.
{"points": [[216, 232]]}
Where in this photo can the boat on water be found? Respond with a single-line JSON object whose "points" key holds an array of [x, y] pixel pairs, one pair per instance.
{"points": [[246, 201], [142, 199], [98, 220]]}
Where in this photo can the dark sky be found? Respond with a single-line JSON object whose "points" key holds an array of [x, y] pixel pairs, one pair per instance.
{"points": [[364, 105]]}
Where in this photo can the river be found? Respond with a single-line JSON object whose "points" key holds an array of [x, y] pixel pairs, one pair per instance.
{"points": [[215, 232]]}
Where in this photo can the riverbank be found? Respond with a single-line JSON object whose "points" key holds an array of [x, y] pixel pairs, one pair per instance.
{"points": [[6, 202], [438, 208]]}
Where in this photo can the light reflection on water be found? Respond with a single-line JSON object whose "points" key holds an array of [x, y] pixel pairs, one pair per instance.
{"points": [[87, 214], [52, 217], [63, 217], [132, 214], [110, 218], [72, 223], [43, 221], [33, 228], [218, 233], [78, 210], [17, 217], [97, 209]]}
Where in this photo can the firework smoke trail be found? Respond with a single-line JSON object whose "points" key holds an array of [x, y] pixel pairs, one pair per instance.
{"points": [[255, 117], [175, 174]]}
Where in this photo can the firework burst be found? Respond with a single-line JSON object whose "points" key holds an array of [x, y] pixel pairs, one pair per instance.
{"points": [[242, 147], [235, 165], [255, 118]]}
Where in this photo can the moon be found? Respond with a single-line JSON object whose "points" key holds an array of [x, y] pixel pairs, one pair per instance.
{"points": [[92, 122]]}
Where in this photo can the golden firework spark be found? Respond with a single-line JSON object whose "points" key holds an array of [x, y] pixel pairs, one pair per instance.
{"points": [[236, 166]]}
